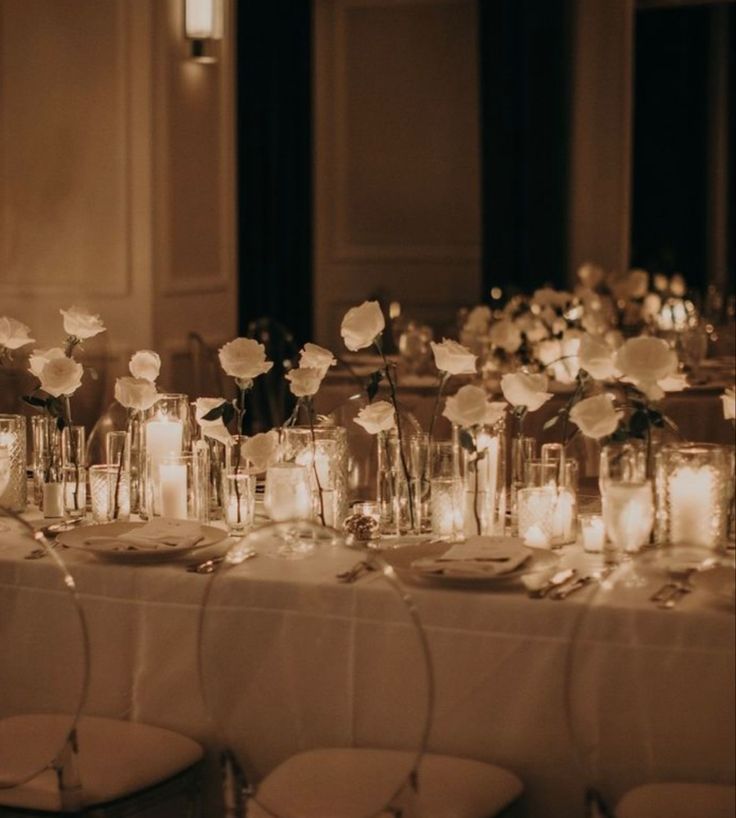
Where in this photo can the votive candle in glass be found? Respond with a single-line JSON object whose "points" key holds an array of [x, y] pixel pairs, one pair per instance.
{"points": [[288, 492], [106, 484], [592, 533]]}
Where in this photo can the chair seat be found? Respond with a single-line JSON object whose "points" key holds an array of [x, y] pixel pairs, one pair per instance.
{"points": [[116, 758], [678, 800], [332, 783]]}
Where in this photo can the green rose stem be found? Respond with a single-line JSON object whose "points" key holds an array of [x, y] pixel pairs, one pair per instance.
{"points": [[73, 449], [445, 376], [395, 402], [308, 406], [243, 387], [476, 513], [119, 475]]}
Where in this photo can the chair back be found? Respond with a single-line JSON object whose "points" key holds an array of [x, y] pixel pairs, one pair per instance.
{"points": [[291, 660], [41, 626], [649, 688]]}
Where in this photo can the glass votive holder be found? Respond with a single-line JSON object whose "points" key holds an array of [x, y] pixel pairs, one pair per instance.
{"points": [[363, 525], [239, 499], [13, 437], [540, 474], [173, 488], [536, 508], [592, 533], [288, 492], [117, 450], [564, 521], [109, 493], [628, 515]]}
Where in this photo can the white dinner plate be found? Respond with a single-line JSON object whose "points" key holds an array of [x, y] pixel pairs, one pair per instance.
{"points": [[401, 560], [76, 538]]}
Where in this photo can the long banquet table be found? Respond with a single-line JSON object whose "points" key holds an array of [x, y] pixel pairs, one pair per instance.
{"points": [[500, 658]]}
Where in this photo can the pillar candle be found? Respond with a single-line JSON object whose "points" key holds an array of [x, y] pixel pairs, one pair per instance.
{"points": [[173, 490], [163, 438]]}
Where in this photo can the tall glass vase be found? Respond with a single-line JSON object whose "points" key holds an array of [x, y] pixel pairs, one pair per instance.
{"points": [[484, 473], [75, 472], [392, 488], [13, 439], [48, 472]]}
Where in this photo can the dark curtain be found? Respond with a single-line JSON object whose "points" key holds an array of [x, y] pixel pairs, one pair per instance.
{"points": [[274, 163], [525, 69]]}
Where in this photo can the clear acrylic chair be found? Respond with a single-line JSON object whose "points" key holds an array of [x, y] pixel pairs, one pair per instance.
{"points": [[55, 760], [650, 689], [322, 693]]}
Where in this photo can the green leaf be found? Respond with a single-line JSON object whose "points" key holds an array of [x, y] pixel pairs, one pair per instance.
{"points": [[217, 412], [655, 418], [55, 407], [228, 413], [639, 423], [371, 387], [32, 400], [466, 440]]}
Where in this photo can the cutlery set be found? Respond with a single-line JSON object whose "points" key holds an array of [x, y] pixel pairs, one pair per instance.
{"points": [[567, 582]]}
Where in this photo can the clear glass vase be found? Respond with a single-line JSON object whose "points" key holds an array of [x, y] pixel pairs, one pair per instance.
{"points": [[48, 470], [75, 473], [13, 439], [323, 450], [484, 474]]}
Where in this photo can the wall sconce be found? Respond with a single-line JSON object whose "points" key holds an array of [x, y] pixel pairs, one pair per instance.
{"points": [[203, 25]]}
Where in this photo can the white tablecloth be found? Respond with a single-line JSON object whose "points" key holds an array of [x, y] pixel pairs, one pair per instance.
{"points": [[501, 661]]}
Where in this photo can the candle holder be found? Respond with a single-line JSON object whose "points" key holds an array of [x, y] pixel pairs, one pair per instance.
{"points": [[173, 487], [592, 533], [693, 487], [419, 458], [523, 449], [447, 492], [537, 501], [627, 499], [323, 450], [13, 438], [109, 490], [163, 432]]}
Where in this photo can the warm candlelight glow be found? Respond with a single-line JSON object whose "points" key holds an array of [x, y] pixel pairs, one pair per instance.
{"points": [[173, 490], [692, 492]]}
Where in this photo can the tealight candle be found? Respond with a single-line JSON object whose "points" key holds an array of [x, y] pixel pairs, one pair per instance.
{"points": [[163, 437], [536, 511], [446, 503], [173, 490], [593, 533]]}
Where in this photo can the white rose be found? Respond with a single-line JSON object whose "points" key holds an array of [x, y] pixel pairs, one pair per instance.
{"points": [[645, 361], [536, 331], [262, 449], [478, 319], [548, 297], [729, 404], [596, 417], [61, 376], [453, 358], [313, 356], [215, 429], [40, 357], [549, 351], [13, 334], [590, 275], [305, 381], [81, 324], [244, 359], [506, 335], [596, 358], [677, 285], [362, 325], [135, 393], [471, 407], [529, 391], [145, 364], [651, 306], [638, 283], [377, 417]]}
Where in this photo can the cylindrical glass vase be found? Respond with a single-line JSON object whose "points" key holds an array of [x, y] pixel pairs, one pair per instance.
{"points": [[174, 487], [324, 451], [692, 488], [393, 489], [484, 473], [13, 439], [73, 451]]}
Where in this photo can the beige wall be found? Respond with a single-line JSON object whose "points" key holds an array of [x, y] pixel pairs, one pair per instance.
{"points": [[397, 166], [116, 173]]}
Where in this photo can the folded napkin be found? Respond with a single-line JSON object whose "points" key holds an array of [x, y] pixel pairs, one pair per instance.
{"points": [[477, 557], [154, 535]]}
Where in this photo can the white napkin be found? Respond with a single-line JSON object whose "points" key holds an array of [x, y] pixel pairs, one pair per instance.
{"points": [[162, 532], [477, 557]]}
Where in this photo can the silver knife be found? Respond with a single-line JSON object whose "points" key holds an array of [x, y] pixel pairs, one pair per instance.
{"points": [[560, 578]]}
